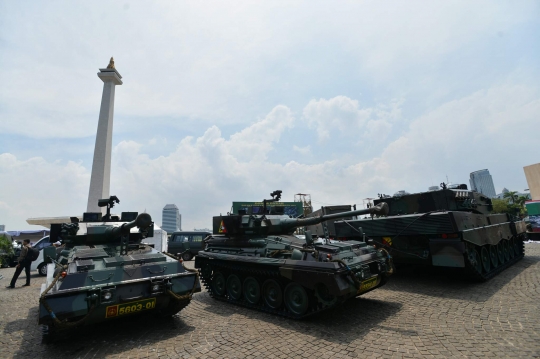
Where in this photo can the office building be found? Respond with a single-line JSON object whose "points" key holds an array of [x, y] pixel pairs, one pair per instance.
{"points": [[171, 219], [482, 182]]}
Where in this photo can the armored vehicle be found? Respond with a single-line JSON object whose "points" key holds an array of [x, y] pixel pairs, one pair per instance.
{"points": [[254, 260], [445, 228], [104, 272]]}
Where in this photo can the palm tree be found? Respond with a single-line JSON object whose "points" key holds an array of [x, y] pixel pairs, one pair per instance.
{"points": [[511, 195], [521, 200]]}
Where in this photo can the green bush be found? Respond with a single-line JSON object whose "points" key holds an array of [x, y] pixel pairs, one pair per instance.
{"points": [[6, 250]]}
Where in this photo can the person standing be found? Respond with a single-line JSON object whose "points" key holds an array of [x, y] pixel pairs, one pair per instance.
{"points": [[24, 262]]}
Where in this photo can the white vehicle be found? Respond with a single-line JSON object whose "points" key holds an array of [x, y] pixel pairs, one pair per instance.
{"points": [[158, 241], [39, 263]]}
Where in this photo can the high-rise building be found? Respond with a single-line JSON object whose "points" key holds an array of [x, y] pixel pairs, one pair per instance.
{"points": [[482, 182], [171, 219]]}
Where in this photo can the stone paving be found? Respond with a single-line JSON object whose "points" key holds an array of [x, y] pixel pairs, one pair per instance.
{"points": [[419, 313]]}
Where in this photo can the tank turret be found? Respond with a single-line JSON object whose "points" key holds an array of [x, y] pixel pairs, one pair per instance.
{"points": [[245, 224], [456, 198]]}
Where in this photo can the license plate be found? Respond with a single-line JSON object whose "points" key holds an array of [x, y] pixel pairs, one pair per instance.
{"points": [[368, 284], [128, 308]]}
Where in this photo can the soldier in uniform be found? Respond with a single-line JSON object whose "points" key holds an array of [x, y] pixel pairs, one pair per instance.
{"points": [[24, 262]]}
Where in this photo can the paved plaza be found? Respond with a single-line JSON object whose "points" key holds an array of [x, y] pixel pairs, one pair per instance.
{"points": [[419, 313]]}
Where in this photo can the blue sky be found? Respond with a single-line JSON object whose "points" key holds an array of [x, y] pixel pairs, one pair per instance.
{"points": [[229, 101]]}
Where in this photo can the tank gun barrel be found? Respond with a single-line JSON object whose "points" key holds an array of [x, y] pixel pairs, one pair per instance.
{"points": [[143, 221], [380, 209]]}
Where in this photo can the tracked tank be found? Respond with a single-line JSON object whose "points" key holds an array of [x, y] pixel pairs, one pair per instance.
{"points": [[104, 272], [254, 260], [450, 227]]}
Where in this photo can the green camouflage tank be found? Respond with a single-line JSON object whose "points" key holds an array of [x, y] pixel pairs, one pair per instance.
{"points": [[104, 272], [254, 260], [450, 227]]}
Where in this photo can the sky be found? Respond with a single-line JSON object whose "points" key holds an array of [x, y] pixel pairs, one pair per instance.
{"points": [[229, 101]]}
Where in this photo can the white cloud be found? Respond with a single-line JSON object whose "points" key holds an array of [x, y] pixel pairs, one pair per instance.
{"points": [[37, 188], [205, 174], [303, 150], [344, 115]]}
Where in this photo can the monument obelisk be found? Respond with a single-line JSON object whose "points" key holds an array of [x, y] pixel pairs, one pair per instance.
{"points": [[100, 181]]}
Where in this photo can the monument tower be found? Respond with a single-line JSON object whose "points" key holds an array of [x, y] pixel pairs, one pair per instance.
{"points": [[100, 180]]}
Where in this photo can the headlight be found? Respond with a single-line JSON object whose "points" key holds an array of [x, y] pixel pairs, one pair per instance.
{"points": [[155, 287], [107, 295]]}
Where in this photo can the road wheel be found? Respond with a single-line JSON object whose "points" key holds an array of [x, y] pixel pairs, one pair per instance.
{"points": [[517, 247], [506, 250], [218, 284], [186, 256], [477, 262], [252, 290], [493, 256], [42, 269], [234, 287], [484, 253], [296, 299], [500, 252], [49, 334], [272, 294], [510, 245]]}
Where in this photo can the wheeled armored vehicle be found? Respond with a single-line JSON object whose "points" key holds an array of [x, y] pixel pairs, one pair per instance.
{"points": [[104, 272], [254, 260], [444, 228]]}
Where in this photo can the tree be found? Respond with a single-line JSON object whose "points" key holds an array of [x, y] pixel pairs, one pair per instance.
{"points": [[500, 205], [6, 250], [512, 196]]}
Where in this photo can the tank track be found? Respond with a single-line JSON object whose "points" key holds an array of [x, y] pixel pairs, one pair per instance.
{"points": [[263, 274], [475, 275]]}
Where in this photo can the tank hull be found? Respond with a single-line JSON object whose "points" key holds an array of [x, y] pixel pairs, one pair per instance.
{"points": [[446, 239], [325, 283], [96, 289]]}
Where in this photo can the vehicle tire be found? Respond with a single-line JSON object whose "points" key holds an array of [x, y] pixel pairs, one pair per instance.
{"points": [[218, 284], [49, 334], [493, 255], [234, 287], [296, 299], [42, 269], [252, 290], [272, 293], [500, 252], [186, 256], [484, 254]]}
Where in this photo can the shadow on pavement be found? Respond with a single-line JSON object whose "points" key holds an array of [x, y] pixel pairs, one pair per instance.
{"points": [[451, 282], [344, 323], [97, 340]]}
